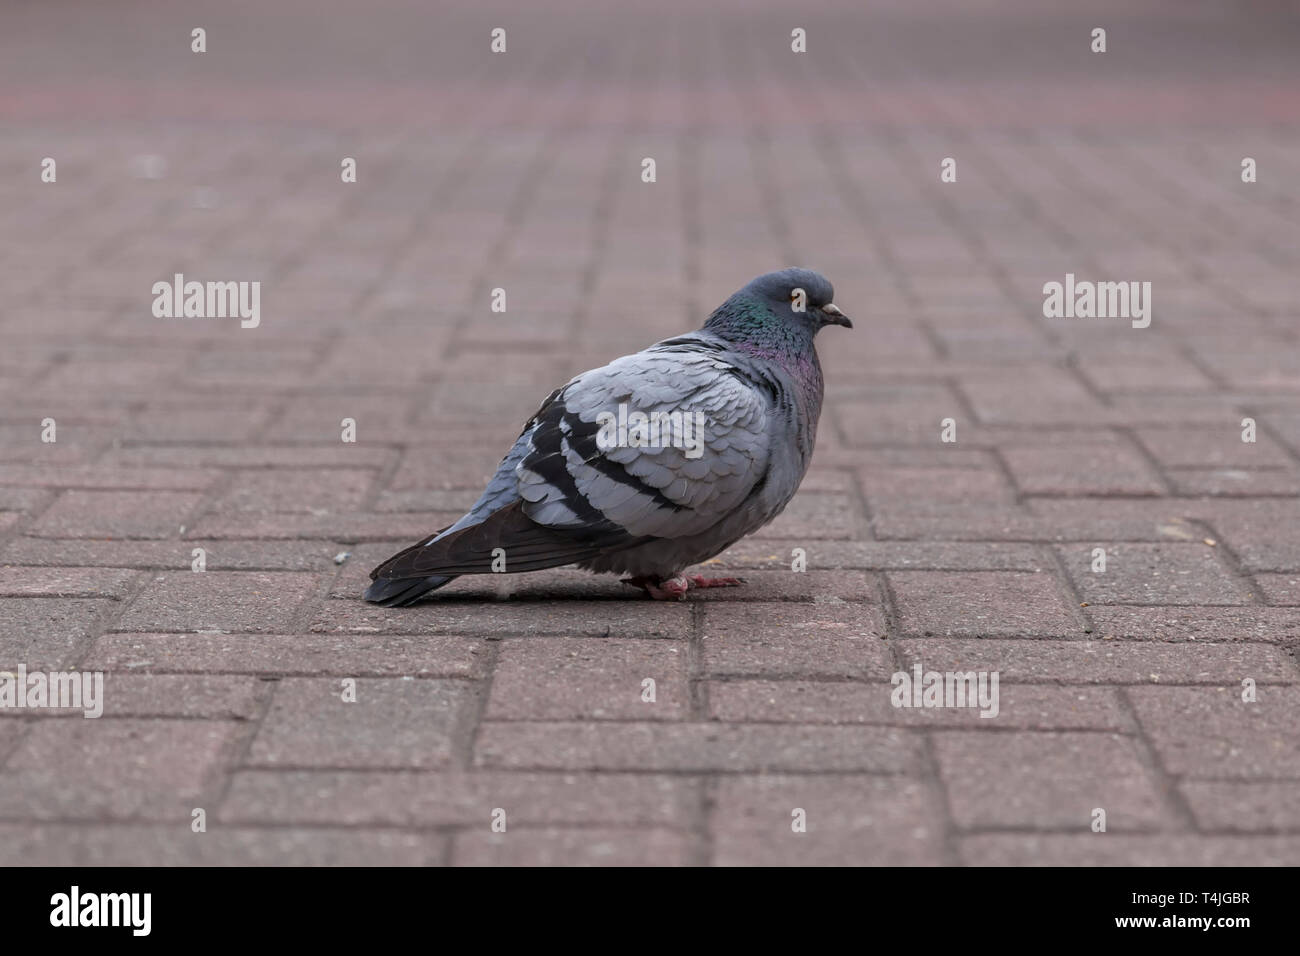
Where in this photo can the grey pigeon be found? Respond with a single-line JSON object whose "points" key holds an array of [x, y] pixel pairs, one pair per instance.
{"points": [[728, 417]]}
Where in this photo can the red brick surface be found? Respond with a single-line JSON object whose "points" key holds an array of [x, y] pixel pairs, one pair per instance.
{"points": [[1121, 690]]}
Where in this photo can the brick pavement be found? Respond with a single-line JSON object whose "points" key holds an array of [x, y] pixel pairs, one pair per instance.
{"points": [[223, 691]]}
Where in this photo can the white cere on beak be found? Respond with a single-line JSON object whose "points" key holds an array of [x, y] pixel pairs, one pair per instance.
{"points": [[832, 308]]}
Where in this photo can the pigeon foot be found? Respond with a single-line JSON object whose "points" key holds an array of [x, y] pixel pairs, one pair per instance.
{"points": [[700, 581], [675, 588]]}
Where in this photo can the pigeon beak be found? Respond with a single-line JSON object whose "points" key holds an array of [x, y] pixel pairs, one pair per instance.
{"points": [[835, 317]]}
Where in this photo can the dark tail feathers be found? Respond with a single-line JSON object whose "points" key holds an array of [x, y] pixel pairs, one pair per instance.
{"points": [[403, 592]]}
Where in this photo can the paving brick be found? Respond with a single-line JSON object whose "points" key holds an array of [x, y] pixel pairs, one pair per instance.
{"points": [[1157, 574], [1211, 732], [891, 555], [930, 455], [1266, 366], [848, 820], [1279, 588], [981, 603], [338, 526], [130, 695], [308, 655], [1104, 661], [1285, 424], [218, 601], [114, 372], [24, 499], [11, 731], [500, 406], [1259, 530], [428, 499], [1022, 706], [458, 465], [826, 478], [327, 491], [114, 769], [454, 798], [180, 695], [901, 488], [634, 618], [1117, 519], [174, 555], [116, 514], [21, 444], [392, 723], [1034, 397], [378, 417], [1235, 482], [65, 845], [828, 639], [65, 582], [572, 847], [246, 456], [1242, 807], [906, 414], [1127, 849], [183, 424], [1048, 781], [588, 679], [1219, 447], [1017, 524], [1085, 468], [1146, 373], [816, 515], [46, 633], [1216, 624], [693, 747]]}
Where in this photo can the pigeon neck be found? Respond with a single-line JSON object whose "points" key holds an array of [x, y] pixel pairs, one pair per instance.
{"points": [[755, 329], [793, 355]]}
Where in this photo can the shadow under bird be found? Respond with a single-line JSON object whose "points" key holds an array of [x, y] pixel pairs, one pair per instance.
{"points": [[589, 482]]}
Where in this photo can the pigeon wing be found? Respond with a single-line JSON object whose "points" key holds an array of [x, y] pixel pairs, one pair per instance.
{"points": [[709, 452]]}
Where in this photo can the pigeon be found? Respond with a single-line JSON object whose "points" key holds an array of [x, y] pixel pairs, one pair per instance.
{"points": [[653, 463]]}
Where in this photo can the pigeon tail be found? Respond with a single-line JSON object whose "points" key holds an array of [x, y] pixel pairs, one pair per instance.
{"points": [[403, 592]]}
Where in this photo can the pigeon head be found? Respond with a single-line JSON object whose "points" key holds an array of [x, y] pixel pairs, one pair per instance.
{"points": [[791, 305]]}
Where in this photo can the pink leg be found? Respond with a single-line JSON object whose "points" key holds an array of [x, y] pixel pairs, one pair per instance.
{"points": [[667, 589], [675, 587], [700, 581]]}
